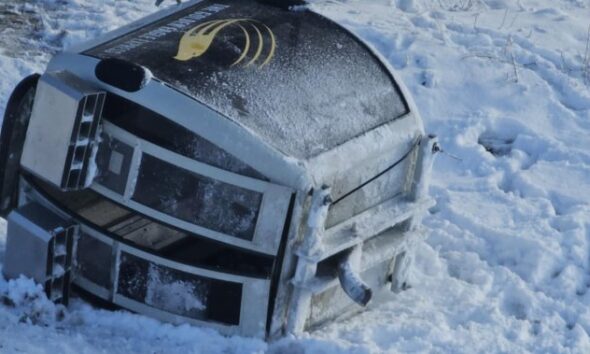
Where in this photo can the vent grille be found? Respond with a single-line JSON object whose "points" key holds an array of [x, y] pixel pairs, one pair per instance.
{"points": [[59, 268], [84, 143]]}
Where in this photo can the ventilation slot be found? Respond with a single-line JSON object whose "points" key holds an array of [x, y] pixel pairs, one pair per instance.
{"points": [[57, 285], [84, 143]]}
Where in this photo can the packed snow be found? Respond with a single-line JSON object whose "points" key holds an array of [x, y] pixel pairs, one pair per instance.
{"points": [[505, 266]]}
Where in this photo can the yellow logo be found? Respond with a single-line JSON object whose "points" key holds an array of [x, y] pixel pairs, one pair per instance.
{"points": [[197, 41]]}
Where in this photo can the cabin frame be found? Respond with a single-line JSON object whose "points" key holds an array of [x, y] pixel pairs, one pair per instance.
{"points": [[317, 256]]}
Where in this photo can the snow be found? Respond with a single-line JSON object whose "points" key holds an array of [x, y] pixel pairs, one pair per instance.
{"points": [[178, 296], [505, 267]]}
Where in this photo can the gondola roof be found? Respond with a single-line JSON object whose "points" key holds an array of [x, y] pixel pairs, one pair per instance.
{"points": [[296, 79]]}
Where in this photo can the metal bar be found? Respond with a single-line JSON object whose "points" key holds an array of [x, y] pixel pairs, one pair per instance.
{"points": [[172, 318], [133, 172], [115, 262], [306, 268], [92, 288], [367, 224], [191, 269], [421, 182], [350, 279]]}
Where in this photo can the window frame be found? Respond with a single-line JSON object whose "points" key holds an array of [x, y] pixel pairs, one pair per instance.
{"points": [[253, 312], [271, 215]]}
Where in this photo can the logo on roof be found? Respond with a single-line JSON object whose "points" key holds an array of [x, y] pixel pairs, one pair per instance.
{"points": [[259, 41]]}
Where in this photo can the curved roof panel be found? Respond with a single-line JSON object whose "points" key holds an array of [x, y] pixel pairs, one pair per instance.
{"points": [[295, 78]]}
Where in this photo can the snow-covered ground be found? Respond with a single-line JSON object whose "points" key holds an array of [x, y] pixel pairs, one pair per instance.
{"points": [[506, 266]]}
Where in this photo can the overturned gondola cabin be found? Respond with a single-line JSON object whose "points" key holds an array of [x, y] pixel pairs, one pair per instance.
{"points": [[231, 164]]}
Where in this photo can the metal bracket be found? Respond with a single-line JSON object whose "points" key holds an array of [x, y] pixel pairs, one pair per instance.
{"points": [[40, 246]]}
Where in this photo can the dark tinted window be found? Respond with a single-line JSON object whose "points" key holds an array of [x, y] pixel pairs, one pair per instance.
{"points": [[161, 131], [149, 235], [197, 199], [94, 260], [180, 293]]}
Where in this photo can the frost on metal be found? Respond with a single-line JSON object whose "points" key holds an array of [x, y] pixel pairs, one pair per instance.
{"points": [[244, 167]]}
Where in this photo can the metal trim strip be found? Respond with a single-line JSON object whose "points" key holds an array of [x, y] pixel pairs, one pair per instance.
{"points": [[252, 289], [189, 269], [92, 288], [142, 22], [172, 318]]}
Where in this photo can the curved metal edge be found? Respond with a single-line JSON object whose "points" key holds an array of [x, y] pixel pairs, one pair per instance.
{"points": [[396, 77], [13, 129], [109, 36], [411, 123]]}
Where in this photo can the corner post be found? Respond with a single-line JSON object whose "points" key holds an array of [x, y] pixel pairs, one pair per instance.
{"points": [[306, 264]]}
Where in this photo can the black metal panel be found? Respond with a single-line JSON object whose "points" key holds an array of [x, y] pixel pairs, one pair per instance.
{"points": [[93, 260], [295, 78], [178, 292], [197, 199]]}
